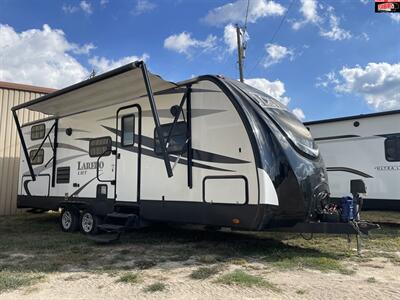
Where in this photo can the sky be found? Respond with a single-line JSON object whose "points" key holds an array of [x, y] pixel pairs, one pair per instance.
{"points": [[322, 58]]}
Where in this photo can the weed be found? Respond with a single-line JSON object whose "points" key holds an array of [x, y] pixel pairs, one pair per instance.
{"points": [[239, 277], [155, 287], [130, 277], [301, 292], [371, 280], [12, 281], [205, 272]]}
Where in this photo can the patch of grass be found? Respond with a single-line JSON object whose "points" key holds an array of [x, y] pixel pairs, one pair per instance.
{"points": [[155, 287], [371, 280], [205, 272], [295, 260], [239, 277], [301, 292], [131, 278], [12, 281]]}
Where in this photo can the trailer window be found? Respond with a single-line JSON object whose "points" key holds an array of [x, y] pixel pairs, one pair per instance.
{"points": [[36, 159], [38, 131], [392, 148], [177, 138], [128, 130], [100, 147]]}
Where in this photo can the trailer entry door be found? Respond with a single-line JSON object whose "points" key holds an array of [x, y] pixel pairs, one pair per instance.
{"points": [[128, 149]]}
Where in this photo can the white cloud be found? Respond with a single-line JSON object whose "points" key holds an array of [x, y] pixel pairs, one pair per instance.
{"points": [[230, 37], [276, 53], [324, 18], [308, 9], [335, 33], [275, 89], [298, 112], [86, 7], [377, 83], [235, 12], [104, 2], [69, 8], [364, 1], [102, 64], [39, 57], [395, 17], [85, 49], [185, 44], [143, 6], [327, 79]]}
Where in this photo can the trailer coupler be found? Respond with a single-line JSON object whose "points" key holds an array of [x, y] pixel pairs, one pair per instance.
{"points": [[357, 228]]}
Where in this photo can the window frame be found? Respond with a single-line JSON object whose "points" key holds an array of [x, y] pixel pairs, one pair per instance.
{"points": [[33, 129], [104, 153], [40, 154], [123, 130], [396, 138], [182, 150]]}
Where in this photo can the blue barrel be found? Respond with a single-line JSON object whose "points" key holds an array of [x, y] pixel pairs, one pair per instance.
{"points": [[347, 209]]}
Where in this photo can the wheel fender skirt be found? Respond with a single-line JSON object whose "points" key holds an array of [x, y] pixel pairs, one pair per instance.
{"points": [[267, 190]]}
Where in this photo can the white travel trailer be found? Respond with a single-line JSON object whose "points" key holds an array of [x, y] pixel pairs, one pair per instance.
{"points": [[229, 155], [363, 147]]}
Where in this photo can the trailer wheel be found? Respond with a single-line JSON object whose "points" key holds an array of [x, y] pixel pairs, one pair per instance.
{"points": [[69, 220], [88, 222]]}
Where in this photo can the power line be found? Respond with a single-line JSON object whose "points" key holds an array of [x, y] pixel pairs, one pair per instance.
{"points": [[245, 20], [273, 36]]}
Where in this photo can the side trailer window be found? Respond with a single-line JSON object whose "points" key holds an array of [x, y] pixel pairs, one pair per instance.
{"points": [[128, 130], [175, 136], [36, 158], [63, 174], [100, 147], [38, 131], [392, 148]]}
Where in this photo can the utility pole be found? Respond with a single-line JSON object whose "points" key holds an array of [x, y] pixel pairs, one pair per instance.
{"points": [[240, 51]]}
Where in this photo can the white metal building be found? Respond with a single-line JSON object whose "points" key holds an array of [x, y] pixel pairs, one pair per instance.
{"points": [[12, 94]]}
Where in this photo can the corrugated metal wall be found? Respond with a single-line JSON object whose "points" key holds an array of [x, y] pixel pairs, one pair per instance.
{"points": [[10, 146]]}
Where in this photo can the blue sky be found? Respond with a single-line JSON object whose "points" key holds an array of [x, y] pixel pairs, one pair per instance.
{"points": [[329, 58]]}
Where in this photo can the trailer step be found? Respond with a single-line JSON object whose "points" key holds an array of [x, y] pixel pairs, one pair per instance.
{"points": [[121, 215], [104, 238], [112, 227]]}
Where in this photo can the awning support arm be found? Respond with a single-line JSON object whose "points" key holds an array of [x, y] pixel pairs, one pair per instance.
{"points": [[53, 171], [156, 118], [23, 144], [189, 133]]}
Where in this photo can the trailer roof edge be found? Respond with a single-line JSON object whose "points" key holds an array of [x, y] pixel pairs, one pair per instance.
{"points": [[354, 117]]}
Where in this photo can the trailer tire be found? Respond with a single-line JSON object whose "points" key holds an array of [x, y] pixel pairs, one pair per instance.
{"points": [[69, 219], [88, 222]]}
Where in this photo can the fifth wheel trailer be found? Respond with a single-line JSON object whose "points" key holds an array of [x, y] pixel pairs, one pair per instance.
{"points": [[363, 147], [135, 148]]}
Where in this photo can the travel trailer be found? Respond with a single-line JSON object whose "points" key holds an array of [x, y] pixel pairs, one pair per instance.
{"points": [[363, 147], [128, 148]]}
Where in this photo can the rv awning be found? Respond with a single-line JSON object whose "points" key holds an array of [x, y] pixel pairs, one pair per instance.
{"points": [[114, 87]]}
